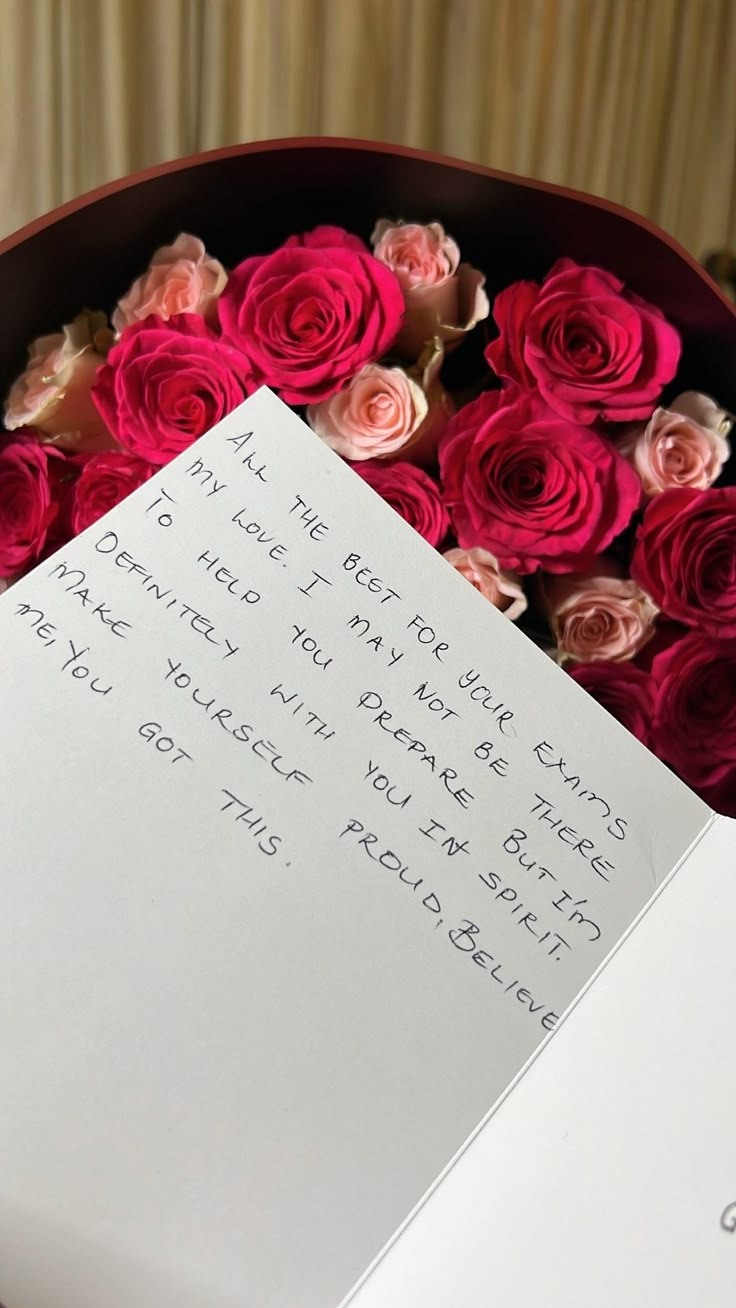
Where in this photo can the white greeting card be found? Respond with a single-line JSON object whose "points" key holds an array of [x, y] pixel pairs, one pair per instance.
{"points": [[306, 851], [608, 1175]]}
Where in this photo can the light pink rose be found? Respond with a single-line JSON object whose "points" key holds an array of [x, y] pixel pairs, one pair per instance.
{"points": [[421, 254], [673, 450], [444, 298], [483, 571], [53, 394], [373, 416], [181, 278], [597, 617], [384, 412]]}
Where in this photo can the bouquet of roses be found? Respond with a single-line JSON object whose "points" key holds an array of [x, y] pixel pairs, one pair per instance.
{"points": [[575, 495]]}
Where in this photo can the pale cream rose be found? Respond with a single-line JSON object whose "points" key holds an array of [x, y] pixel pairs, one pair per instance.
{"points": [[597, 616], [482, 570], [181, 278], [703, 410], [673, 450], [53, 394], [385, 412], [444, 298]]}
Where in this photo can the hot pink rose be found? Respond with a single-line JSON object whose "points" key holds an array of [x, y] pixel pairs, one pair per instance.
{"points": [[626, 691], [673, 450], [685, 557], [311, 315], [412, 493], [105, 480], [181, 278], [445, 299], [483, 571], [53, 394], [695, 715], [593, 348], [384, 411], [166, 384], [530, 487], [27, 506], [598, 616]]}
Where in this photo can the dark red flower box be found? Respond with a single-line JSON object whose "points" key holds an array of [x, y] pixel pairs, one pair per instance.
{"points": [[246, 199]]}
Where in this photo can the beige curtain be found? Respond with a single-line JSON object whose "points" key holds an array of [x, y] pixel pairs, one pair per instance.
{"points": [[632, 99]]}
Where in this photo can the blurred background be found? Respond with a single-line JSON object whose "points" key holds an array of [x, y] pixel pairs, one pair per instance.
{"points": [[631, 99]]}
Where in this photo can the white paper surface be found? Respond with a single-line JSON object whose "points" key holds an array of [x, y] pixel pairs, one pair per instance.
{"points": [[254, 997], [608, 1175]]}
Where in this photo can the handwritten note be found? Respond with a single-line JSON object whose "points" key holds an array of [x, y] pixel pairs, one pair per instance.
{"points": [[306, 849]]}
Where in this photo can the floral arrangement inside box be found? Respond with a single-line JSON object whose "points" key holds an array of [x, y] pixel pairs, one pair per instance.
{"points": [[561, 485]]}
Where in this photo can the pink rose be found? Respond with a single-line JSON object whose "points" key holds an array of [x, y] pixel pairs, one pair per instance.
{"points": [[373, 416], [311, 315], [421, 254], [445, 299], [695, 715], [593, 348], [385, 410], [105, 480], [482, 570], [625, 690], [27, 506], [166, 384], [53, 394], [411, 493], [181, 278], [597, 616], [530, 487], [685, 557], [673, 450]]}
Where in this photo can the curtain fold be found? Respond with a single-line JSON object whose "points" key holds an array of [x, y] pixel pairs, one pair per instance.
{"points": [[631, 99]]}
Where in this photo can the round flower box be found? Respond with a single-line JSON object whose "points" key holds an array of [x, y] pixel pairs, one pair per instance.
{"points": [[248, 200]]}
